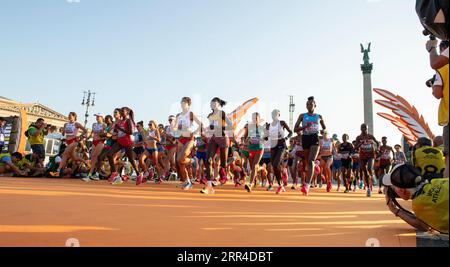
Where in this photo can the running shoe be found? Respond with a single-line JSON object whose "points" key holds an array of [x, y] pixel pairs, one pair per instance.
{"points": [[280, 190], [304, 191], [117, 181], [139, 179], [215, 183], [95, 177], [113, 177], [86, 179], [207, 191], [187, 186], [294, 187], [248, 188], [125, 178], [346, 190], [361, 185], [223, 176], [329, 186], [54, 174], [380, 192], [369, 193], [270, 188], [173, 176]]}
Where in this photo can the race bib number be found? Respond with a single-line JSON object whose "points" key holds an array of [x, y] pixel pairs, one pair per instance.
{"points": [[312, 128], [367, 147], [386, 155], [255, 140]]}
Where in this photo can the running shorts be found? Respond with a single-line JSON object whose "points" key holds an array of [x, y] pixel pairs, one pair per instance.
{"points": [[310, 140], [337, 164], [202, 156], [97, 142], [369, 162], [185, 140], [71, 141], [264, 160], [346, 163], [254, 153]]}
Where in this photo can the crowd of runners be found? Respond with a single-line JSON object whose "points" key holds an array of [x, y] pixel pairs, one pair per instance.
{"points": [[268, 155]]}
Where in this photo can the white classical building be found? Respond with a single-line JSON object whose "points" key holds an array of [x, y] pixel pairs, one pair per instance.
{"points": [[34, 111], [14, 138]]}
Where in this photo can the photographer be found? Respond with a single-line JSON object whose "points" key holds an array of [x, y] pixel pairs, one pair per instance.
{"points": [[429, 199], [427, 159], [441, 91], [35, 134], [437, 61]]}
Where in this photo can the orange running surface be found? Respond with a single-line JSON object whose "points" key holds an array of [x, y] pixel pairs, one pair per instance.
{"points": [[48, 212]]}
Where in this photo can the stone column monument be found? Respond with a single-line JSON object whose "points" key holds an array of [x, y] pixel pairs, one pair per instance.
{"points": [[367, 68]]}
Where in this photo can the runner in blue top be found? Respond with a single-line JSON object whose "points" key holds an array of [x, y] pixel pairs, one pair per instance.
{"points": [[310, 128]]}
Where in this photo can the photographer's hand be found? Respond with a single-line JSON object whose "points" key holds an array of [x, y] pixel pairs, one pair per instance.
{"points": [[431, 44]]}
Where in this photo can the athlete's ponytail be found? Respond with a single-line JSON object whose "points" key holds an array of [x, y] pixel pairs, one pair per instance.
{"points": [[130, 113], [220, 101]]}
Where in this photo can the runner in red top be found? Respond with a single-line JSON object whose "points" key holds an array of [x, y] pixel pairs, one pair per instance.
{"points": [[386, 155], [367, 146], [124, 130]]}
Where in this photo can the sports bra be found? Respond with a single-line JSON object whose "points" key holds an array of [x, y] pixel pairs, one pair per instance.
{"points": [[97, 128], [326, 146], [70, 130], [184, 122]]}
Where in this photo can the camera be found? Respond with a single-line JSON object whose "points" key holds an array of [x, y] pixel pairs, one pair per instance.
{"points": [[428, 33], [431, 81]]}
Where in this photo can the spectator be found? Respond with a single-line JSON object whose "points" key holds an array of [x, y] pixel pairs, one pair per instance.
{"points": [[35, 134], [7, 166], [427, 159], [429, 199], [27, 164], [2, 133], [441, 91], [53, 133], [437, 61]]}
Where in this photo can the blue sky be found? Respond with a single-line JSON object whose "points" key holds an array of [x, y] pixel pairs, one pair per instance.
{"points": [[147, 54]]}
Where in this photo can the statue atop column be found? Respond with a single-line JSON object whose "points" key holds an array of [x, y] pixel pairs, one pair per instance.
{"points": [[367, 67]]}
